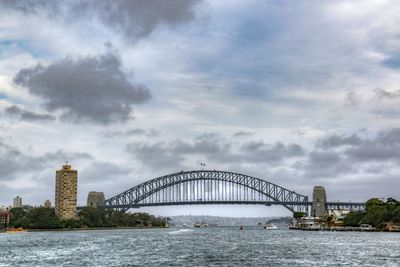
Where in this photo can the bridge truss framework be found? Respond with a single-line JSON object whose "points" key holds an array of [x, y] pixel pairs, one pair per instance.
{"points": [[207, 187]]}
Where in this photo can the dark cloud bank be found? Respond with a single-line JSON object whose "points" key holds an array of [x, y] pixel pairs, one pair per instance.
{"points": [[164, 154], [24, 115], [92, 88], [333, 157], [133, 19], [14, 162]]}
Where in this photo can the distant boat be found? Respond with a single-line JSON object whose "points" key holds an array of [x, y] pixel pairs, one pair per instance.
{"points": [[202, 224], [270, 226], [16, 230], [365, 227]]}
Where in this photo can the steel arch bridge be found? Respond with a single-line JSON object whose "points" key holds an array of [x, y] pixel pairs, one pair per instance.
{"points": [[207, 187]]}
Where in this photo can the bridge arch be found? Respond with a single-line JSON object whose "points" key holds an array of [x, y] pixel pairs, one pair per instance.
{"points": [[207, 187]]}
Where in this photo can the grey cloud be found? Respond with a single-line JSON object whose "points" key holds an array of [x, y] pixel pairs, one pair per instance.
{"points": [[14, 162], [139, 18], [385, 146], [99, 171], [335, 141], [260, 151], [208, 136], [27, 115], [351, 99], [11, 160], [371, 151], [352, 154], [131, 132], [155, 155], [324, 159], [133, 19], [381, 93], [61, 156], [211, 150], [323, 165], [389, 137], [173, 154], [242, 134], [32, 6], [92, 88]]}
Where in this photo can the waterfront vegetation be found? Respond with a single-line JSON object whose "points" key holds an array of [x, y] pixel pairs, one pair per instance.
{"points": [[45, 218], [378, 213]]}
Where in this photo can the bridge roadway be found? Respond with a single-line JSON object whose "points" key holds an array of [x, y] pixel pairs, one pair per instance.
{"points": [[353, 206], [204, 187]]}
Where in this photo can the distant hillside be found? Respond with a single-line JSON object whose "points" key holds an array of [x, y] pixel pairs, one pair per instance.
{"points": [[228, 221]]}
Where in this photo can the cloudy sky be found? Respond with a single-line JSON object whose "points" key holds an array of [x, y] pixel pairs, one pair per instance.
{"points": [[299, 93]]}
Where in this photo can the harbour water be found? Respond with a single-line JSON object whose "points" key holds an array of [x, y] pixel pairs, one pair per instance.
{"points": [[220, 246]]}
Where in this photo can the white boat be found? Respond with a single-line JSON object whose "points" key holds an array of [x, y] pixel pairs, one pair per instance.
{"points": [[270, 226]]}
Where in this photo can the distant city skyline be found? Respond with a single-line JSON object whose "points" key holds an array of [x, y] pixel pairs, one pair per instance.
{"points": [[297, 93]]}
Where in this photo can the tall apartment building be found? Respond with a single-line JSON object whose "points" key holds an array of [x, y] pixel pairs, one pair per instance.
{"points": [[66, 192], [17, 202]]}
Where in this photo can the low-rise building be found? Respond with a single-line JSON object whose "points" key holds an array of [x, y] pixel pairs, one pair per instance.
{"points": [[5, 217]]}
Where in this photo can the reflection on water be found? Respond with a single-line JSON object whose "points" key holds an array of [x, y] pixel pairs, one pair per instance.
{"points": [[200, 247]]}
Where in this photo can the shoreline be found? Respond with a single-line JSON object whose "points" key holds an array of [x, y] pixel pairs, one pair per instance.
{"points": [[343, 229], [92, 229]]}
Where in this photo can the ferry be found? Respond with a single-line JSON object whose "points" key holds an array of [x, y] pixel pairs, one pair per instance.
{"points": [[270, 226], [15, 230], [202, 224]]}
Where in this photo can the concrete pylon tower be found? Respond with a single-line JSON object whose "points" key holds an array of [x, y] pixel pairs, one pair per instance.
{"points": [[319, 202], [95, 199]]}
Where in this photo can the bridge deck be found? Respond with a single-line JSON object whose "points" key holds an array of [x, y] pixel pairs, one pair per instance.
{"points": [[330, 205]]}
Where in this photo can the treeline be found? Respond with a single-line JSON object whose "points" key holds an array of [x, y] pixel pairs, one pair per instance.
{"points": [[45, 218], [378, 213]]}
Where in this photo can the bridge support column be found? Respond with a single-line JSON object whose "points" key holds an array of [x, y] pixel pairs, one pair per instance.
{"points": [[318, 208]]}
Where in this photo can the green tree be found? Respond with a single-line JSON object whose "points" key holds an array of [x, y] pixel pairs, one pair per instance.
{"points": [[354, 218], [94, 217], [40, 218], [71, 223], [374, 216], [374, 202], [392, 201], [298, 214], [17, 215]]}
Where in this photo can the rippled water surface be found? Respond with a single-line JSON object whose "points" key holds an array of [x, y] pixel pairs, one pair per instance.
{"points": [[221, 246]]}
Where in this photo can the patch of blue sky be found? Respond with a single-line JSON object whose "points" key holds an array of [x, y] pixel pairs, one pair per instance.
{"points": [[392, 62], [17, 46], [2, 96]]}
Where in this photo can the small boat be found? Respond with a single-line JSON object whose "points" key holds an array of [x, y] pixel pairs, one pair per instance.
{"points": [[15, 230], [365, 227], [270, 226], [202, 224], [241, 227]]}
